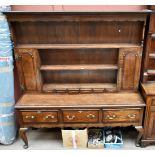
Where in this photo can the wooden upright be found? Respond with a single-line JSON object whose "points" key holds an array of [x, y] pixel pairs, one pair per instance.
{"points": [[148, 81]]}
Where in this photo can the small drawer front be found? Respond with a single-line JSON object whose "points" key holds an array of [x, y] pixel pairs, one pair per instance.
{"points": [[121, 115], [151, 63], [40, 116], [153, 104], [151, 42], [152, 24], [151, 77], [83, 116]]}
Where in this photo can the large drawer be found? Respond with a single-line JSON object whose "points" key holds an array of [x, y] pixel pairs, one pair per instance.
{"points": [[40, 116], [81, 116], [121, 115]]}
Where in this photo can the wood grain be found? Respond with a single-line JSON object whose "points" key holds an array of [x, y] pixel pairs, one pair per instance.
{"points": [[80, 100], [130, 64], [78, 67]]}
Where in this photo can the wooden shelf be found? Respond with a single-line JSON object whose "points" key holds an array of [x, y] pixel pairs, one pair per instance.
{"points": [[79, 67], [151, 71], [75, 46], [152, 55], [49, 87]]}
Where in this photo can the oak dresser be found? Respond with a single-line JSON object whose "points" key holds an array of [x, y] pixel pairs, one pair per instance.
{"points": [[79, 69]]}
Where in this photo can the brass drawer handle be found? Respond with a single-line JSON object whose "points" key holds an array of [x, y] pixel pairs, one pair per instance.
{"points": [[49, 116], [132, 116], [91, 116], [28, 117], [111, 117], [70, 117]]}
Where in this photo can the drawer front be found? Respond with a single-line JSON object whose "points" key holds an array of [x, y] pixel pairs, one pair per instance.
{"points": [[40, 116], [152, 24], [151, 63], [153, 103], [151, 43], [83, 116], [121, 115], [151, 77]]}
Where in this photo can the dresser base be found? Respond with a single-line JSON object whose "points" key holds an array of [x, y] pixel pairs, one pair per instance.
{"points": [[80, 111]]}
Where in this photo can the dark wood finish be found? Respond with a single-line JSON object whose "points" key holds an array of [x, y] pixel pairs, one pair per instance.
{"points": [[79, 56], [152, 7], [79, 69], [77, 46], [129, 63], [152, 23], [148, 66], [80, 76], [139, 137], [28, 65], [121, 115], [151, 131], [78, 32], [22, 133], [151, 43], [80, 88], [148, 91], [39, 116], [83, 116], [80, 100]]}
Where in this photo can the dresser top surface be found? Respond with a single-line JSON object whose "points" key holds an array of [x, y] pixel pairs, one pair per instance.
{"points": [[75, 12], [149, 88], [80, 100]]}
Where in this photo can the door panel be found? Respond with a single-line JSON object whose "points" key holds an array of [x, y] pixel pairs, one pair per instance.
{"points": [[129, 68], [151, 126], [28, 64]]}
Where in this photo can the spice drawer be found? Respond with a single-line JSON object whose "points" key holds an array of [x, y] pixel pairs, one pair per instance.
{"points": [[40, 116], [83, 116], [122, 115]]}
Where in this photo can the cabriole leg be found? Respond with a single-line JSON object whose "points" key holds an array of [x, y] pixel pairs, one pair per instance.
{"points": [[22, 133], [140, 134]]}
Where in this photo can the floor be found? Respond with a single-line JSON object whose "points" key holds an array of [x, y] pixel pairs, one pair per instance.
{"points": [[50, 139]]}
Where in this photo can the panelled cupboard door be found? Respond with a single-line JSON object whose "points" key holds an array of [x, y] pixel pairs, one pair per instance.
{"points": [[28, 65], [129, 68], [151, 126]]}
